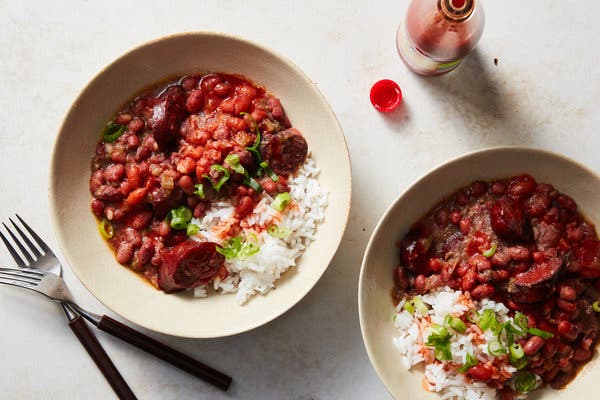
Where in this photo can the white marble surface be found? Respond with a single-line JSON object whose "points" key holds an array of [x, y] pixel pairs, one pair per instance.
{"points": [[543, 93]]}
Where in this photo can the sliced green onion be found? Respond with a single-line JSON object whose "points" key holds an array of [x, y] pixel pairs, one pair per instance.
{"points": [[540, 333], [281, 201], [106, 229], [254, 152], [233, 160], [226, 174], [265, 166], [496, 327], [279, 231], [521, 321], [254, 148], [192, 229], [253, 183], [520, 363], [596, 306], [231, 248], [199, 190], [516, 352], [235, 248], [420, 307], [455, 323], [488, 316], [510, 331], [473, 316], [179, 217], [439, 339], [442, 352], [525, 382], [408, 306], [470, 361], [496, 348], [112, 132], [490, 252]]}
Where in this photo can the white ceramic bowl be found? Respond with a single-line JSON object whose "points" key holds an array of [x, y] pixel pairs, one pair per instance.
{"points": [[122, 290], [376, 275]]}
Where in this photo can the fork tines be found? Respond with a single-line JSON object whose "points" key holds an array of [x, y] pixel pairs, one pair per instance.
{"points": [[25, 277], [26, 258]]}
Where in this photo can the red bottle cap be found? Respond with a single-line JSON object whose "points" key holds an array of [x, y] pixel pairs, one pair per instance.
{"points": [[386, 95]]}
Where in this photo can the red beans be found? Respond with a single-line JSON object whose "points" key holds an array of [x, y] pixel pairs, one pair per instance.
{"points": [[195, 101], [245, 206], [521, 187], [566, 305], [97, 207], [481, 372], [533, 345], [141, 220], [124, 253], [482, 291], [568, 330], [581, 355], [136, 197], [567, 293]]}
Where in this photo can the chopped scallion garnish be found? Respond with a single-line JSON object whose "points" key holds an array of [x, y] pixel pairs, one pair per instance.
{"points": [[516, 352], [470, 361], [496, 348], [233, 160], [112, 132], [281, 201], [596, 306], [192, 229], [455, 323], [408, 306], [439, 339], [235, 248], [253, 183], [521, 321], [420, 307], [490, 252], [279, 231], [525, 382], [226, 174], [540, 333], [199, 190], [488, 316], [179, 217], [265, 166], [106, 229]]}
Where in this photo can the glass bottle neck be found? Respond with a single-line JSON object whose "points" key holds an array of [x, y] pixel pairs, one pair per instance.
{"points": [[456, 10]]}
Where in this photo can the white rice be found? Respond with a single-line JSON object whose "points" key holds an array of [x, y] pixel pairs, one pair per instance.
{"points": [[410, 341], [258, 273]]}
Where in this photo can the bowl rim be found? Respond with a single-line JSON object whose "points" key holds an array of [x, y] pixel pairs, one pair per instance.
{"points": [[54, 160], [392, 206]]}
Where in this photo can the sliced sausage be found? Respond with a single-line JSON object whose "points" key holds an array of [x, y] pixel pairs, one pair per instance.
{"points": [[187, 264], [285, 151], [168, 111], [535, 284]]}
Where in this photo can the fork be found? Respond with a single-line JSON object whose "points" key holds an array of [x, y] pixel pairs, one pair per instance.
{"points": [[77, 324], [53, 286]]}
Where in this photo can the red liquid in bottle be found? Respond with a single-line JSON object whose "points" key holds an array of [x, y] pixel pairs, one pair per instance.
{"points": [[437, 34]]}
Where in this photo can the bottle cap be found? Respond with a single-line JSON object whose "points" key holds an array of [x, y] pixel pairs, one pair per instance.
{"points": [[386, 95]]}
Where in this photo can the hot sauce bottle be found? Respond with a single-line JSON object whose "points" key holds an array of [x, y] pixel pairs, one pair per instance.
{"points": [[437, 34]]}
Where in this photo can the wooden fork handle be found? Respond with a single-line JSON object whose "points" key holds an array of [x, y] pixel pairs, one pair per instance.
{"points": [[87, 338], [164, 352]]}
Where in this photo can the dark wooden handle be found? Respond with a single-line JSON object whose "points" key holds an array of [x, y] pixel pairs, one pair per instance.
{"points": [[104, 363], [165, 353]]}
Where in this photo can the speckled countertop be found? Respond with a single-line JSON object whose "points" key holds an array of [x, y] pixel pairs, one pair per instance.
{"points": [[543, 93]]}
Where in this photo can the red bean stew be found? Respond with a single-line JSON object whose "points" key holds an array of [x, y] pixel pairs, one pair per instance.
{"points": [[171, 152], [521, 243]]}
